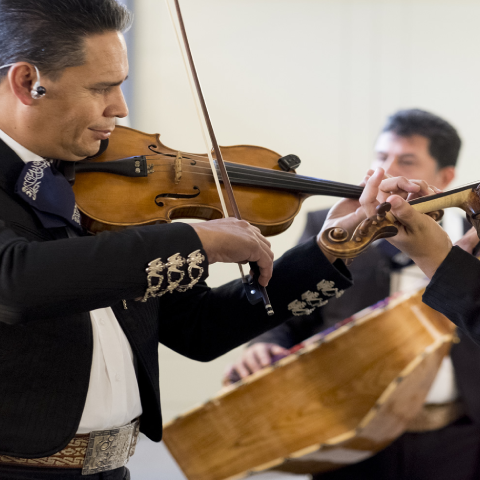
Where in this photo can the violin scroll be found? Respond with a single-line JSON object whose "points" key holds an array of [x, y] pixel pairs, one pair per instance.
{"points": [[338, 242], [472, 209]]}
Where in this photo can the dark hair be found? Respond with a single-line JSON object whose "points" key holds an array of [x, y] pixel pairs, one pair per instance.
{"points": [[444, 144], [50, 33]]}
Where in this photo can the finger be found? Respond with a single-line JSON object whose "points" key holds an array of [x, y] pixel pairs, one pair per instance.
{"points": [[228, 375], [264, 258], [250, 360], [399, 186], [263, 355], [241, 369], [366, 177], [403, 211], [278, 350], [368, 199], [260, 238], [424, 190]]}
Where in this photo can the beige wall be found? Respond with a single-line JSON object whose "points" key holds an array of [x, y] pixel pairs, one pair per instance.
{"points": [[311, 77]]}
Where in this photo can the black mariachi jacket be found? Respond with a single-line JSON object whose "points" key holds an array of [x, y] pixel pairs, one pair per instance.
{"points": [[49, 283]]}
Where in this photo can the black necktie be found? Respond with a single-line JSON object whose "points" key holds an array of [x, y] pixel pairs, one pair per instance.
{"points": [[50, 195]]}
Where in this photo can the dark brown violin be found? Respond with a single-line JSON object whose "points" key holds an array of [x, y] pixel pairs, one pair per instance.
{"points": [[140, 181]]}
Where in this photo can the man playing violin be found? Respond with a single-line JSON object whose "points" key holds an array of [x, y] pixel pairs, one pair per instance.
{"points": [[80, 315], [413, 144]]}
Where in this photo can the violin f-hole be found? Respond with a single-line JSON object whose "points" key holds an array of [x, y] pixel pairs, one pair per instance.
{"points": [[176, 195]]}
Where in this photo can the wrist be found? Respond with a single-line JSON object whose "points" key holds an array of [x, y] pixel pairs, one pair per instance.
{"points": [[430, 263]]}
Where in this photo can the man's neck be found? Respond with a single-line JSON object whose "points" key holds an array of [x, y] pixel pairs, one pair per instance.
{"points": [[25, 154]]}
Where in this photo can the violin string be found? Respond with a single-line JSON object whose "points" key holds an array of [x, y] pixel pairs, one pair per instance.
{"points": [[294, 185], [287, 181], [265, 171], [259, 176]]}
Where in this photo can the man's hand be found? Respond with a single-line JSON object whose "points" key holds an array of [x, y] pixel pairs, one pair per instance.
{"points": [[253, 359], [229, 240], [348, 213], [419, 236], [379, 187]]}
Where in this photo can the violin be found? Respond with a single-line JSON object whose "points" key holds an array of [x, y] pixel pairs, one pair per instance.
{"points": [[138, 180], [342, 244]]}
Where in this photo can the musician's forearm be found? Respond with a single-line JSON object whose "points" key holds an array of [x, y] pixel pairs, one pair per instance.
{"points": [[430, 262]]}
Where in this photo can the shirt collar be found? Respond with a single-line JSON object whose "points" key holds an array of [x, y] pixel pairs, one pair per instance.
{"points": [[25, 154]]}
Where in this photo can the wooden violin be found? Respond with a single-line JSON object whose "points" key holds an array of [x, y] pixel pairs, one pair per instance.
{"points": [[140, 181], [340, 243]]}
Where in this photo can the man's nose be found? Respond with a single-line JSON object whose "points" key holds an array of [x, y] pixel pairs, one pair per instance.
{"points": [[391, 167], [117, 106]]}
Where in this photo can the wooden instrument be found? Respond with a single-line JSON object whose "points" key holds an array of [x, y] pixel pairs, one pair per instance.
{"points": [[339, 243], [338, 399], [138, 180]]}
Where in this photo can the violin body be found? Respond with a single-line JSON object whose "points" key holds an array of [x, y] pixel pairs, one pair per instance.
{"points": [[177, 186]]}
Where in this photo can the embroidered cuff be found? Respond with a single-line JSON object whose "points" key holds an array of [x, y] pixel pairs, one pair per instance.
{"points": [[177, 274], [312, 300]]}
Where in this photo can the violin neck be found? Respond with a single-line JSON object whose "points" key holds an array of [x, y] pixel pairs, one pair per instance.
{"points": [[277, 179], [451, 198]]}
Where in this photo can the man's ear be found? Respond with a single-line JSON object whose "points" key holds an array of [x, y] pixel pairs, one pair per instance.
{"points": [[21, 78], [447, 174]]}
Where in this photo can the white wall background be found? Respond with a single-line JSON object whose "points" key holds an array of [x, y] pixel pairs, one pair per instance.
{"points": [[311, 77]]}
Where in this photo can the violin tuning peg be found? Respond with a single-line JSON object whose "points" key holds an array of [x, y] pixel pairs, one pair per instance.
{"points": [[289, 162]]}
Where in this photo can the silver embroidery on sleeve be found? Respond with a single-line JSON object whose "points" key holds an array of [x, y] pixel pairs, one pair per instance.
{"points": [[194, 261], [175, 273], [298, 308], [327, 288], [312, 300], [31, 182], [76, 215]]}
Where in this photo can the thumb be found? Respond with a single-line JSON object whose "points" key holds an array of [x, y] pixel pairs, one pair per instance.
{"points": [[402, 210], [278, 350]]}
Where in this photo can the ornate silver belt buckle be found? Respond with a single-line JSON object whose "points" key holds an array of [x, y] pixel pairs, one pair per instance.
{"points": [[110, 449]]}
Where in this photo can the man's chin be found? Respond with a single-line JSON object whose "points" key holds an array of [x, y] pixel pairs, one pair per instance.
{"points": [[85, 151]]}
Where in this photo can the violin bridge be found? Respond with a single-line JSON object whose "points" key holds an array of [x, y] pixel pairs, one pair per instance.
{"points": [[150, 169], [177, 167]]}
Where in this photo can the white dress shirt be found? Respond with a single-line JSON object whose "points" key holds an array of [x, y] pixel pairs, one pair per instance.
{"points": [[113, 397]]}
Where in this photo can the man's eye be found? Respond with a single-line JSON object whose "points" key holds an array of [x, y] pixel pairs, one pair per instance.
{"points": [[102, 91]]}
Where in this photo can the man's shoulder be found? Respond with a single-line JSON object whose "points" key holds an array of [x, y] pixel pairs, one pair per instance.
{"points": [[316, 219]]}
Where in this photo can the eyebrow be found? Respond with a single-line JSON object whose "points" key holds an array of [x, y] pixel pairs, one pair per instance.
{"points": [[402, 155], [109, 84]]}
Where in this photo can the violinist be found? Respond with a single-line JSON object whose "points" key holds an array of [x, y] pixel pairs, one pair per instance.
{"points": [[80, 315], [415, 144]]}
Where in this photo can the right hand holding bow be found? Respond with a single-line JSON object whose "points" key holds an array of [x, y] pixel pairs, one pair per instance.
{"points": [[229, 240]]}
